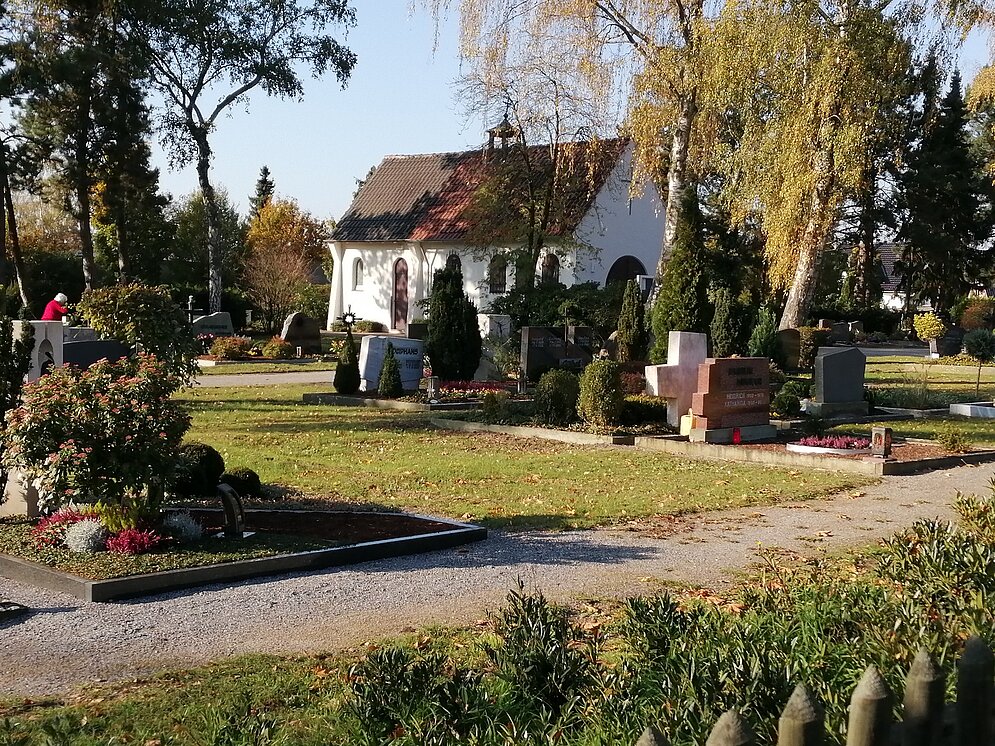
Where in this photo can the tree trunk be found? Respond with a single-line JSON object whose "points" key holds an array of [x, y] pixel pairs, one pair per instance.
{"points": [[10, 229], [123, 237], [806, 277], [676, 179], [213, 220], [82, 184]]}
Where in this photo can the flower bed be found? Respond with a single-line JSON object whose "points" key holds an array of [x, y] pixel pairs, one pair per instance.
{"points": [[839, 445]]}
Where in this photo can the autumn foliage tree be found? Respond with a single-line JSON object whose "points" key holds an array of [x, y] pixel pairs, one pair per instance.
{"points": [[285, 244]]}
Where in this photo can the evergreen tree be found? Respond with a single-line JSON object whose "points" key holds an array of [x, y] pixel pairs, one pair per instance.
{"points": [[265, 187], [631, 328], [14, 366], [949, 211], [682, 304], [729, 324], [453, 341], [346, 379], [763, 339], [389, 385]]}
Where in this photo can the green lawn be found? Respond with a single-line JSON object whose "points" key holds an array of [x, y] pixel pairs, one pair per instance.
{"points": [[952, 379], [264, 367], [397, 460], [980, 432]]}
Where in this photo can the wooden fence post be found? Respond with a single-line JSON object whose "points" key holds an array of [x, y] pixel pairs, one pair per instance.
{"points": [[652, 737], [801, 721], [870, 711], [975, 679], [925, 690], [730, 730]]}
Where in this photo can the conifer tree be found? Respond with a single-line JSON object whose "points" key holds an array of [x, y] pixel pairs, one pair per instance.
{"points": [[682, 304], [389, 385], [631, 328], [265, 188], [346, 380], [728, 324], [14, 365], [453, 342], [949, 211]]}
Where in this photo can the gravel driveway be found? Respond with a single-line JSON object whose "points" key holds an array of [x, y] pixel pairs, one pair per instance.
{"points": [[65, 643]]}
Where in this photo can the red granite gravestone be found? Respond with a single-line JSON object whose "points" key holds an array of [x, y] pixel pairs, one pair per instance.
{"points": [[733, 394]]}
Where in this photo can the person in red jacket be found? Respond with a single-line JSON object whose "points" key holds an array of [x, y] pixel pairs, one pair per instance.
{"points": [[56, 309]]}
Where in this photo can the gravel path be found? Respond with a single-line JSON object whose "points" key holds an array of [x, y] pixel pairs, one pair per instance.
{"points": [[65, 643]]}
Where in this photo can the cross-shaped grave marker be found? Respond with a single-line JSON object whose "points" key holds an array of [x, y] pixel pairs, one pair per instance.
{"points": [[677, 381]]}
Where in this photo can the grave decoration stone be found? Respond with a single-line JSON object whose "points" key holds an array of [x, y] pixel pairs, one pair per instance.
{"points": [[85, 354], [790, 343], [678, 379], [839, 383], [548, 347], [49, 344], [219, 324], [732, 403], [881, 442], [234, 513], [300, 330], [410, 354]]}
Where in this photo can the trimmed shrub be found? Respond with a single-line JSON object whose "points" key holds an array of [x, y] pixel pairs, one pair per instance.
{"points": [[928, 326], [763, 339], [556, 397], [631, 335], [640, 409], [88, 536], [494, 405], [244, 481], [810, 339], [183, 527], [980, 344], [389, 385], [231, 348], [346, 379], [199, 470], [954, 440], [600, 402], [278, 347], [785, 404], [368, 327]]}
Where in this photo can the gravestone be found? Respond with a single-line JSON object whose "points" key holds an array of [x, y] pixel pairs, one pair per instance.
{"points": [[85, 354], [20, 499], [548, 347], [79, 334], [410, 354], [678, 379], [219, 324], [790, 343], [949, 344], [47, 354], [732, 403], [840, 332], [839, 383], [234, 513], [300, 330], [856, 327]]}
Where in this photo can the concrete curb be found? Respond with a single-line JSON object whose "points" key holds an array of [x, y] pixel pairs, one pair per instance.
{"points": [[562, 436], [410, 406], [30, 573]]}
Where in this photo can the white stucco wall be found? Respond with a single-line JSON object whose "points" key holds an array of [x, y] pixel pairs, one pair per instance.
{"points": [[617, 226]]}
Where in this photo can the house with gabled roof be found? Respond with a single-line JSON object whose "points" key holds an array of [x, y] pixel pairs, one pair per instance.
{"points": [[415, 213]]}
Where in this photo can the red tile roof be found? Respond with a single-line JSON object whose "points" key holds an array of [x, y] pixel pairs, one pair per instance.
{"points": [[426, 197]]}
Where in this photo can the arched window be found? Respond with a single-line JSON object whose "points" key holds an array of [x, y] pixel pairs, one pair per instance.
{"points": [[453, 262], [624, 269], [550, 269], [497, 275], [357, 275]]}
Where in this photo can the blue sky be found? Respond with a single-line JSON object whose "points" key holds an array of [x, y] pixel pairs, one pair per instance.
{"points": [[400, 99]]}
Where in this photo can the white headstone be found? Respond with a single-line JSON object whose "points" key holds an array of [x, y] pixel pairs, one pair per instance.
{"points": [[677, 381], [19, 499], [410, 354], [219, 324], [47, 353]]}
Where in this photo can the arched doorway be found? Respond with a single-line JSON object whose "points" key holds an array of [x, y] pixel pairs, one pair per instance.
{"points": [[401, 296], [624, 269]]}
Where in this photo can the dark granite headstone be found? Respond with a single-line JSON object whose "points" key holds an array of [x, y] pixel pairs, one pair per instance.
{"points": [[732, 392], [300, 330], [234, 514], [840, 331], [543, 347], [790, 343], [85, 354], [839, 375], [951, 343]]}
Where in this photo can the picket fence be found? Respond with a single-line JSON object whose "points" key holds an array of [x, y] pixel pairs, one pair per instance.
{"points": [[927, 719]]}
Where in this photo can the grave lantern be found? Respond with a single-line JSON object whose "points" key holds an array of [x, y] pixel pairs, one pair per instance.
{"points": [[523, 382], [881, 442], [432, 387]]}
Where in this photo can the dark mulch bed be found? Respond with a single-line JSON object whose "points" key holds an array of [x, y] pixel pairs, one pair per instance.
{"points": [[348, 527]]}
